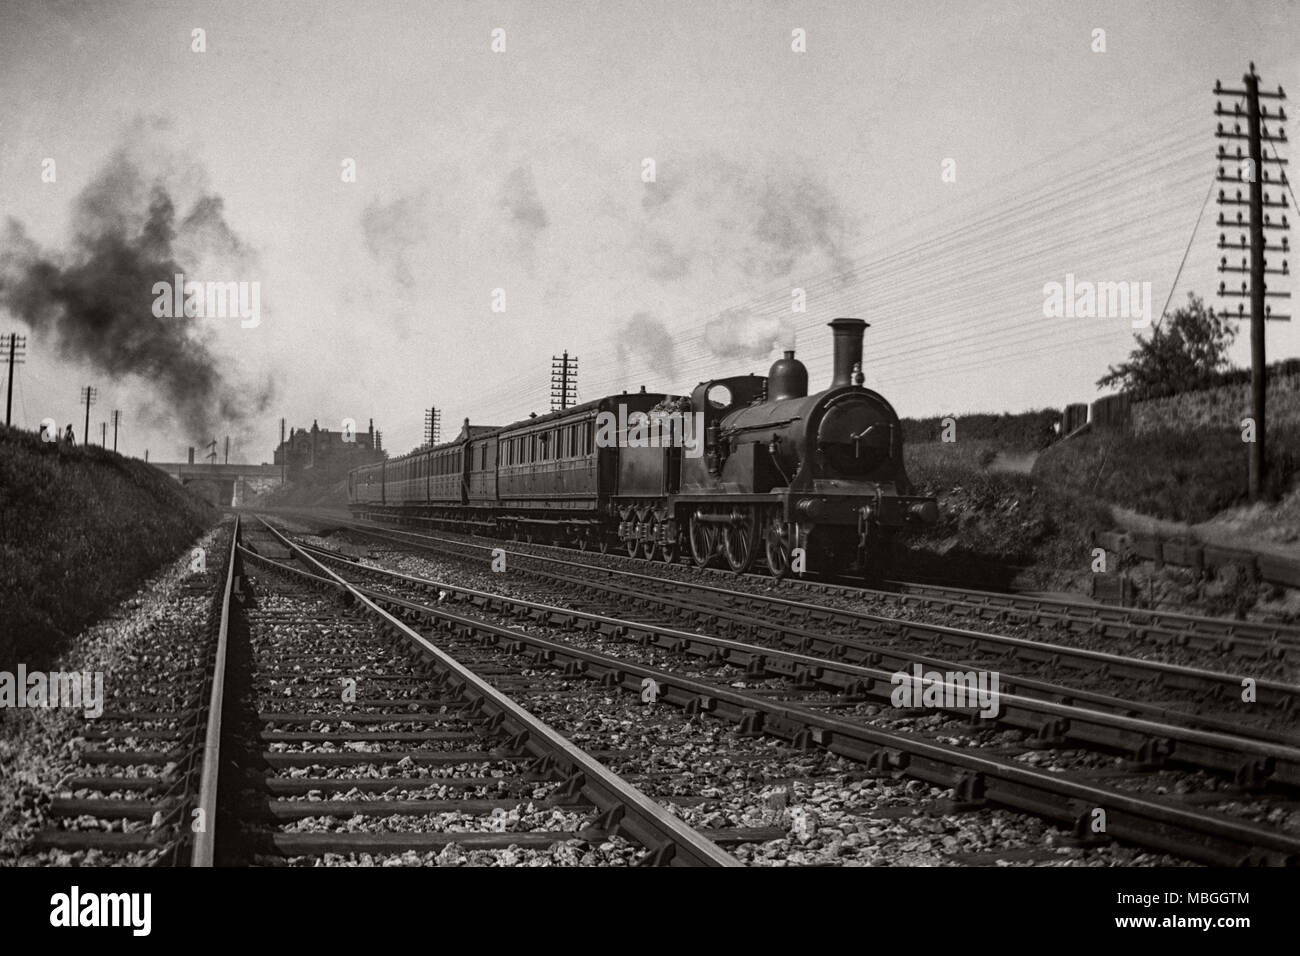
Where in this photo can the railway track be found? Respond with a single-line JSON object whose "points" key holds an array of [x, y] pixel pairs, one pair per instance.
{"points": [[820, 721], [253, 754], [847, 666], [416, 753], [145, 785], [1134, 685], [1218, 635]]}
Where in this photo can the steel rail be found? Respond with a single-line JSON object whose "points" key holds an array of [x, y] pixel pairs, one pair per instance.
{"points": [[209, 779], [639, 816], [1175, 622], [1213, 839]]}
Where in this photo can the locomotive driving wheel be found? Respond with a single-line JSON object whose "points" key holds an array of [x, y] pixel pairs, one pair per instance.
{"points": [[672, 546], [777, 544], [650, 547], [704, 542], [740, 542], [634, 541]]}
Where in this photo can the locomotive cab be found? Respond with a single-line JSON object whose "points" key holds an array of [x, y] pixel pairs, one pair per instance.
{"points": [[715, 400]]}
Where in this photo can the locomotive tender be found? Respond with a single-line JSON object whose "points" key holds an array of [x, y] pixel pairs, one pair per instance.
{"points": [[778, 470]]}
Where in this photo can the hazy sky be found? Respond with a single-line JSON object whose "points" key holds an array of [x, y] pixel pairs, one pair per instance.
{"points": [[523, 171]]}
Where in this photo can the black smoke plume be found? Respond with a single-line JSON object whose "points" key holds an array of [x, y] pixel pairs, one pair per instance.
{"points": [[95, 298]]}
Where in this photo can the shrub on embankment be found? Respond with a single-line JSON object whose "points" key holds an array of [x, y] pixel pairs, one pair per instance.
{"points": [[79, 528], [993, 525]]}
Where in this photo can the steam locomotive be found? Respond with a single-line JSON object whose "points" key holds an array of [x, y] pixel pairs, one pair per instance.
{"points": [[743, 466]]}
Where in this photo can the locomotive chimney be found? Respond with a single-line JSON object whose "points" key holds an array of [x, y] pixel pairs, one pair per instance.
{"points": [[848, 349]]}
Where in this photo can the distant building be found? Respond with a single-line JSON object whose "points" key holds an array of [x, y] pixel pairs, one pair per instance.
{"points": [[323, 455]]}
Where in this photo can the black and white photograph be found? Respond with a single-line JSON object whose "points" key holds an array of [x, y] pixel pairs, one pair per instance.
{"points": [[596, 434]]}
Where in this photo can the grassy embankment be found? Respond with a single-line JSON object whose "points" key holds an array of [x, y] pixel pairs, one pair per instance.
{"points": [[80, 527]]}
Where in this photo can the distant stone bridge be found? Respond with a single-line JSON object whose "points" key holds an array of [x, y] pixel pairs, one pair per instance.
{"points": [[223, 484]]}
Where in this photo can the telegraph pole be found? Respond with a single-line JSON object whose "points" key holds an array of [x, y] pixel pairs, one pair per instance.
{"points": [[16, 345], [103, 434], [117, 420], [564, 381], [89, 395], [432, 426], [1253, 168], [284, 455]]}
